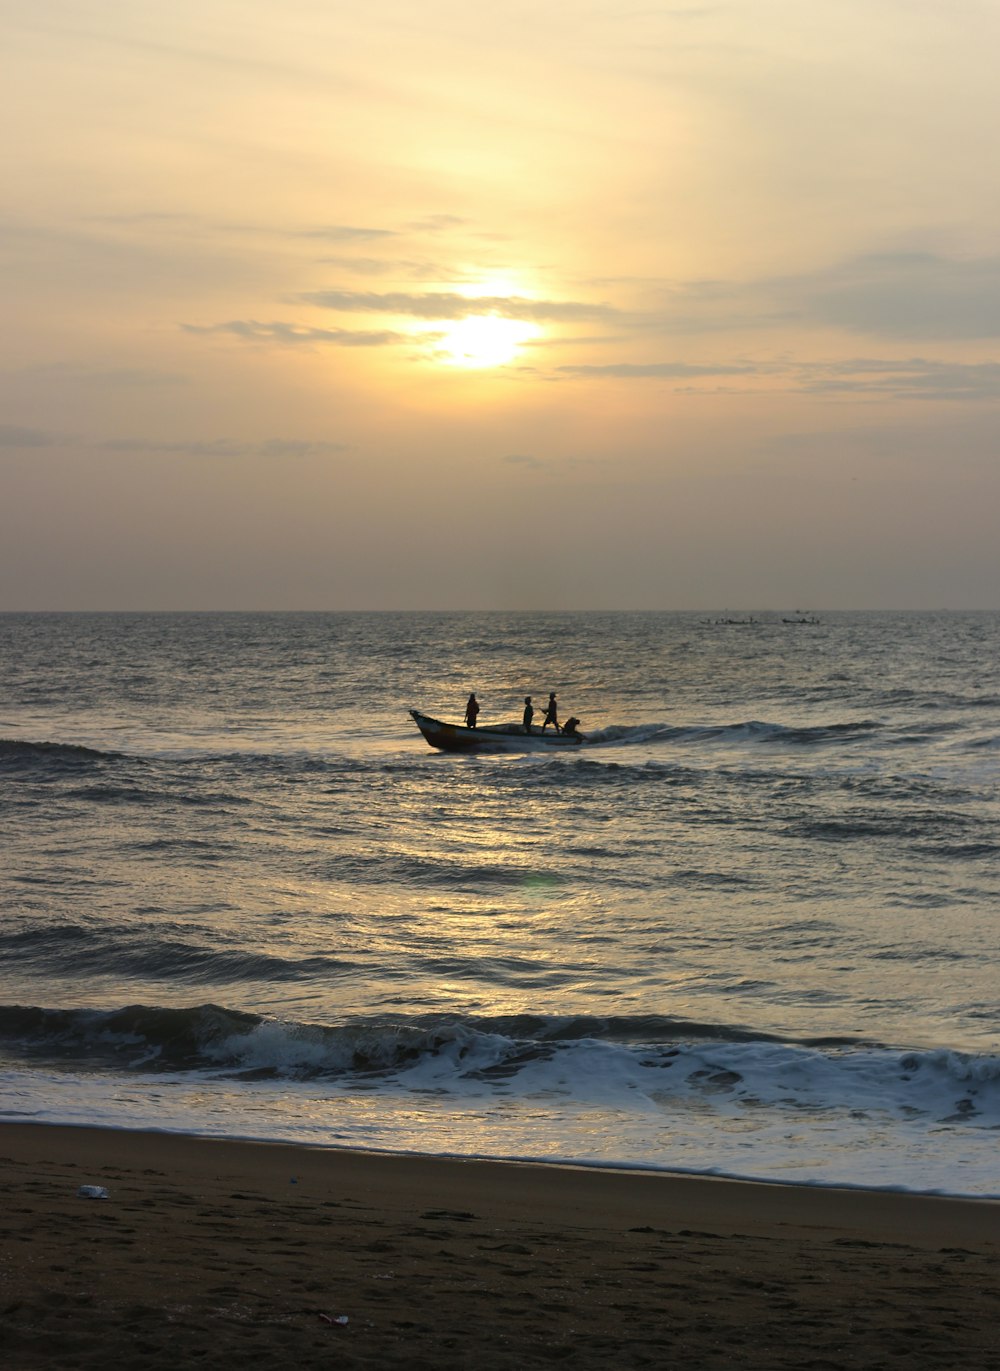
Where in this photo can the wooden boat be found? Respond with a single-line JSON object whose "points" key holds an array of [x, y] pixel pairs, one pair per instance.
{"points": [[490, 737]]}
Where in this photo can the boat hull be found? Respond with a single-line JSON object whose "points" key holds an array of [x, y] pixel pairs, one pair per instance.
{"points": [[491, 737]]}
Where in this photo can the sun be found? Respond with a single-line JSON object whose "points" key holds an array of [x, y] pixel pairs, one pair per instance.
{"points": [[484, 340]]}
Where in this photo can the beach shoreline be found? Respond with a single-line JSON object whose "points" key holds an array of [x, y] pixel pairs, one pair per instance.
{"points": [[208, 1249]]}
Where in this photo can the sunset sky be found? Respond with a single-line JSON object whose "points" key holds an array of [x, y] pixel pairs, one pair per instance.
{"points": [[568, 304]]}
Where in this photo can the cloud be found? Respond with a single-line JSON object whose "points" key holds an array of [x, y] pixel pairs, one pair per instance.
{"points": [[128, 377], [914, 295], [16, 437], [906, 378], [916, 377], [387, 266], [674, 370], [525, 460], [437, 223], [13, 435], [905, 295], [296, 335], [346, 233], [145, 217], [449, 305], [227, 447]]}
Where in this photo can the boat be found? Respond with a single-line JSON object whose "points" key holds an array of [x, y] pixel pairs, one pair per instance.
{"points": [[490, 737]]}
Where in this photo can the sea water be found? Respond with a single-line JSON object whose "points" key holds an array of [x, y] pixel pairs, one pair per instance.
{"points": [[748, 929]]}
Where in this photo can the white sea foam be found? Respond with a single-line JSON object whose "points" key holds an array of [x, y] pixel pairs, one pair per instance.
{"points": [[823, 1147], [923, 1121], [730, 1078]]}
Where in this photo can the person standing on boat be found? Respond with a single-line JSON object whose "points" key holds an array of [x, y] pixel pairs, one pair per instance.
{"points": [[471, 711], [529, 713], [551, 715]]}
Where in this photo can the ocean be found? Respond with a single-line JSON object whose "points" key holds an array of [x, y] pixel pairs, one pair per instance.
{"points": [[749, 928]]}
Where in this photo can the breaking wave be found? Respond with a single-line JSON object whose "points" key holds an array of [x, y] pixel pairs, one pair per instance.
{"points": [[655, 1061]]}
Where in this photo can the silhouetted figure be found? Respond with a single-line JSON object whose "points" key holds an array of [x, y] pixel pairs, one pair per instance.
{"points": [[529, 713], [551, 716], [572, 727]]}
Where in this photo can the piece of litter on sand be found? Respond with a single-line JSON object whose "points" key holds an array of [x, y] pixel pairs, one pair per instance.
{"points": [[92, 1192], [339, 1322]]}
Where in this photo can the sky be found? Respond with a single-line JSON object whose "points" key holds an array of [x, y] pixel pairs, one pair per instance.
{"points": [[570, 304]]}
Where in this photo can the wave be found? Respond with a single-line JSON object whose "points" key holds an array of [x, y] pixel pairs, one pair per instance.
{"points": [[990, 742], [938, 699], [19, 751], [300, 761], [749, 730], [74, 949], [16, 752], [917, 825], [650, 1061]]}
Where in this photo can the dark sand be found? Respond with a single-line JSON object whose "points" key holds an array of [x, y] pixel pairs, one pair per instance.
{"points": [[219, 1254]]}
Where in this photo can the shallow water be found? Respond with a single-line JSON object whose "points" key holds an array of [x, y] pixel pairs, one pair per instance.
{"points": [[749, 927]]}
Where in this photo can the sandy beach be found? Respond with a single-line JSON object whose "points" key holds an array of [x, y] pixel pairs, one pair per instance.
{"points": [[210, 1252]]}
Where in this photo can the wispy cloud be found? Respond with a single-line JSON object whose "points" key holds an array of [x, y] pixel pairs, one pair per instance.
{"points": [[674, 370], [66, 373], [228, 447], [904, 295], [924, 296], [915, 295], [859, 377], [450, 305], [388, 266], [915, 377], [437, 223], [346, 233], [296, 335], [13, 435]]}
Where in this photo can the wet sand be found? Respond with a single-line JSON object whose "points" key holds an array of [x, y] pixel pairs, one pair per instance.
{"points": [[216, 1254]]}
